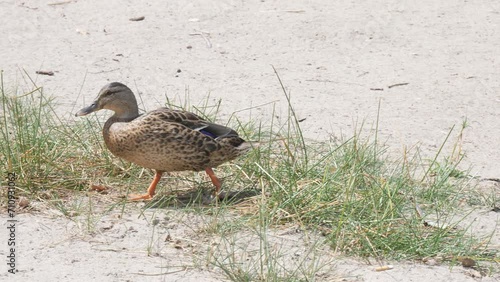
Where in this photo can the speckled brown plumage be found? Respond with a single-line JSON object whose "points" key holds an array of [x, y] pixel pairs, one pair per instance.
{"points": [[164, 139]]}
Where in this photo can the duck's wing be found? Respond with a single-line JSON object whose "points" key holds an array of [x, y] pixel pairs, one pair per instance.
{"points": [[194, 122]]}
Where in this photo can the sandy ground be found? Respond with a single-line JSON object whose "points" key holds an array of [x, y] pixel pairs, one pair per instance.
{"points": [[432, 64]]}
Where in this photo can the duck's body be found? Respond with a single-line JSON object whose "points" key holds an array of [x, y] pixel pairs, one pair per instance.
{"points": [[171, 140], [164, 139]]}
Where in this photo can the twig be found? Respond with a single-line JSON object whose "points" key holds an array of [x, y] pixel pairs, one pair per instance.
{"points": [[50, 73], [59, 3], [490, 179], [384, 268], [398, 84], [137, 19]]}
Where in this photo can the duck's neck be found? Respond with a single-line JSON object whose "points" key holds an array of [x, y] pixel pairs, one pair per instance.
{"points": [[114, 119], [129, 111]]}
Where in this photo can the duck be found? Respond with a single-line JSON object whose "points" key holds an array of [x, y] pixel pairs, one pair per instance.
{"points": [[165, 139]]}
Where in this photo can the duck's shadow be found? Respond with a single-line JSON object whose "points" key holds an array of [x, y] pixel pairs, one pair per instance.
{"points": [[200, 197]]}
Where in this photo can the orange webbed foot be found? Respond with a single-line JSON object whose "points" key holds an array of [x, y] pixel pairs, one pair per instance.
{"points": [[151, 190], [140, 197]]}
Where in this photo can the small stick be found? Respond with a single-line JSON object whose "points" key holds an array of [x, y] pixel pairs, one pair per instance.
{"points": [[59, 3], [50, 73], [137, 19], [490, 179], [398, 84], [384, 268]]}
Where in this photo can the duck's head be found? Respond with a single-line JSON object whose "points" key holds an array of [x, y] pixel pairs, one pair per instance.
{"points": [[116, 97]]}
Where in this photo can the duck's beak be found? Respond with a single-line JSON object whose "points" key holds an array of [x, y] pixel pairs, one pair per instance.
{"points": [[87, 110]]}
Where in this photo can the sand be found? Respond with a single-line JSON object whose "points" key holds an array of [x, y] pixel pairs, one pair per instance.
{"points": [[431, 64]]}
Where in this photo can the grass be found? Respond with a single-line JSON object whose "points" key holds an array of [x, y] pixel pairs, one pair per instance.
{"points": [[362, 200]]}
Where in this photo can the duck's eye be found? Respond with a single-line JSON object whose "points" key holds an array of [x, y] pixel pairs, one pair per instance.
{"points": [[109, 93]]}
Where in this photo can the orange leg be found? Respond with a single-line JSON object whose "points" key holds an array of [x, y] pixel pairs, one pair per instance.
{"points": [[215, 180], [151, 190]]}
